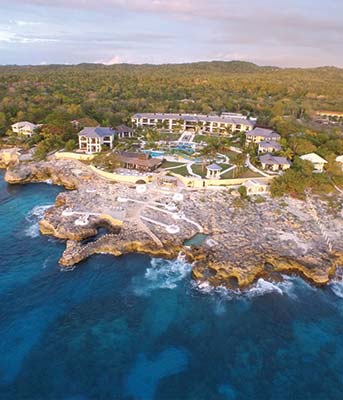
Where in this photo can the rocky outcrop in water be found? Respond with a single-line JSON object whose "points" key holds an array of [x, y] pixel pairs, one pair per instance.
{"points": [[8, 157], [62, 172]]}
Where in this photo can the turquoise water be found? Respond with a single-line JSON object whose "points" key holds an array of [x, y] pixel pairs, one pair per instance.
{"points": [[134, 328], [196, 240], [154, 153]]}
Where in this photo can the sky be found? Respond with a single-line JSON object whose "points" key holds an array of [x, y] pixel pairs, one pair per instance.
{"points": [[298, 33]]}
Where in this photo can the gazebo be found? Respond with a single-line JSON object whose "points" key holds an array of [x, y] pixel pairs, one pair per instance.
{"points": [[213, 171]]}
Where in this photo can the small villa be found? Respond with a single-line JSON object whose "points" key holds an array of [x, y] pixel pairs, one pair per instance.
{"points": [[317, 161], [258, 135], [268, 147], [273, 163], [339, 160], [213, 171], [255, 187], [94, 139], [24, 128], [138, 161], [124, 131]]}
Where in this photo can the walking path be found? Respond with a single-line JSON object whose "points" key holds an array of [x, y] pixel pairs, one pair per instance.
{"points": [[227, 160], [190, 171], [169, 228], [335, 186], [228, 169], [150, 233], [253, 168], [175, 215], [175, 167], [235, 149]]}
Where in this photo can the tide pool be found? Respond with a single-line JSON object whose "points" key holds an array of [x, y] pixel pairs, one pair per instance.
{"points": [[136, 328]]}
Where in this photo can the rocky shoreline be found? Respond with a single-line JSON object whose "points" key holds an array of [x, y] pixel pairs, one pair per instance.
{"points": [[258, 239]]}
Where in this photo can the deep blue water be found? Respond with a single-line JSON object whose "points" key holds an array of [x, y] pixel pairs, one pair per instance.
{"points": [[136, 328]]}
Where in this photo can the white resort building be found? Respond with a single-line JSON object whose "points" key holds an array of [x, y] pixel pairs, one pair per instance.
{"points": [[339, 160], [92, 140], [268, 147], [193, 122], [273, 163], [254, 187], [259, 135], [24, 128], [317, 161], [124, 131]]}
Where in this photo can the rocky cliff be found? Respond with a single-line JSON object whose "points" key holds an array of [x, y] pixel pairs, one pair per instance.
{"points": [[257, 240]]}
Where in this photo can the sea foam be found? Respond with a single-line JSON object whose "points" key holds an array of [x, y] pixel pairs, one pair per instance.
{"points": [[337, 288], [260, 288], [33, 218], [162, 274]]}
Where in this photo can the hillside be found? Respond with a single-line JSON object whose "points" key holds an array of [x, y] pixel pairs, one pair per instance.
{"points": [[110, 94]]}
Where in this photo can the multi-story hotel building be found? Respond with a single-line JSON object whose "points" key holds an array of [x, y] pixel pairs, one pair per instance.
{"points": [[193, 122]]}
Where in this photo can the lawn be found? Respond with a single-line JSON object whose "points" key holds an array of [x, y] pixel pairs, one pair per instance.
{"points": [[230, 153], [198, 169], [225, 166], [168, 164], [169, 136], [244, 173], [181, 171]]}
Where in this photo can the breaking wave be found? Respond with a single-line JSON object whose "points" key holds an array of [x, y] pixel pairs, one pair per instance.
{"points": [[33, 218], [162, 274], [337, 288], [260, 288]]}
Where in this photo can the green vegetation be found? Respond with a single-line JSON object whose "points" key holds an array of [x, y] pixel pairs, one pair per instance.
{"points": [[242, 173], [169, 164], [111, 94], [181, 171], [106, 161], [300, 177], [283, 99], [242, 190], [199, 169]]}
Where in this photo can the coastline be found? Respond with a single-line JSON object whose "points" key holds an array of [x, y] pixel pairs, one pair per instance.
{"points": [[242, 245]]}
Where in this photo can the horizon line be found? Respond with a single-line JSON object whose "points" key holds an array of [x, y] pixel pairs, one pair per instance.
{"points": [[170, 63]]}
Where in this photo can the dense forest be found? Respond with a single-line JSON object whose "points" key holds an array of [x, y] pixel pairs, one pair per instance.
{"points": [[111, 94]]}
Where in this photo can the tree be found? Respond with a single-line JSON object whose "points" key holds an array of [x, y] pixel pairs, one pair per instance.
{"points": [[70, 145], [301, 146], [242, 190], [2, 122], [239, 160], [298, 178]]}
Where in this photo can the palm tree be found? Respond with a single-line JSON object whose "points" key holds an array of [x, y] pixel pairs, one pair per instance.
{"points": [[239, 160], [198, 126], [288, 153], [228, 130]]}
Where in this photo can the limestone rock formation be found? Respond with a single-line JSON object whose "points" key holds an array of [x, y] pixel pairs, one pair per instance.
{"points": [[243, 244]]}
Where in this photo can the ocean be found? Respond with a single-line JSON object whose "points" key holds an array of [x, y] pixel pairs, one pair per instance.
{"points": [[136, 328]]}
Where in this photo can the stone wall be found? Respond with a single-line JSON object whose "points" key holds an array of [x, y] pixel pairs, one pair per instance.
{"points": [[64, 155], [121, 178], [200, 183]]}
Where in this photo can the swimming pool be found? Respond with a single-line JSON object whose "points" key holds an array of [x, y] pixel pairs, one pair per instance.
{"points": [[154, 153]]}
